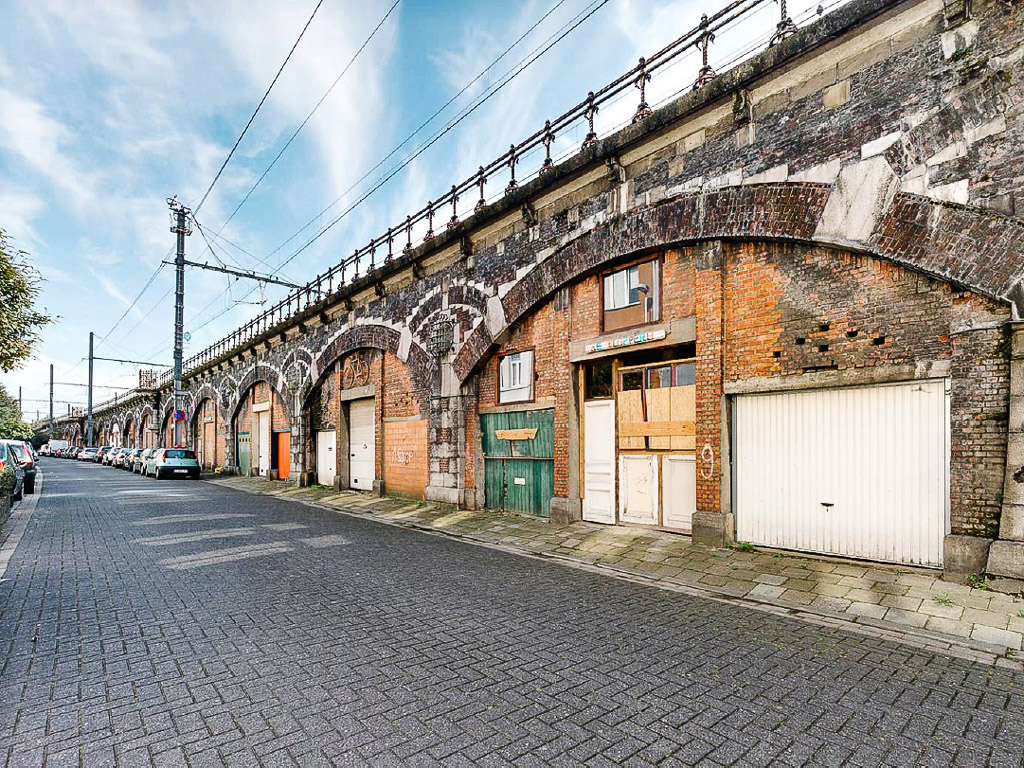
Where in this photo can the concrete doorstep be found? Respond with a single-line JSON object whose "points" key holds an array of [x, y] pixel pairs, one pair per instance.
{"points": [[908, 605]]}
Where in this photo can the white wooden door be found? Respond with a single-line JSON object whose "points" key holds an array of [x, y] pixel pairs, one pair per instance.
{"points": [[599, 461], [326, 460], [638, 488], [679, 491], [859, 472], [361, 434], [264, 444]]}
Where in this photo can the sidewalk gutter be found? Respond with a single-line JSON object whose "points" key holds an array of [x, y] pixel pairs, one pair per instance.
{"points": [[971, 649]]}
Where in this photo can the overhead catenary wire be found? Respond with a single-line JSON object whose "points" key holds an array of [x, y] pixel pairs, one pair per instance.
{"points": [[502, 82], [302, 125], [449, 127], [258, 107], [421, 126], [390, 175]]}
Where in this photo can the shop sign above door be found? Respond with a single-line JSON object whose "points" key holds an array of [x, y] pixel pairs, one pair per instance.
{"points": [[626, 341]]}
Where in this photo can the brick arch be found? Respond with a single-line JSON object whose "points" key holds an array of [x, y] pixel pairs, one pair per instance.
{"points": [[298, 368], [205, 392], [260, 372], [375, 337], [971, 248]]}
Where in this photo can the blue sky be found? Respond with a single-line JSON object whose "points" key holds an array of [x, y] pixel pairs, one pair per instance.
{"points": [[109, 107]]}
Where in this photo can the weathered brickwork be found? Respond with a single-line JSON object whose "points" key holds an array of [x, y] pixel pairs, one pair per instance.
{"points": [[780, 322], [864, 198]]}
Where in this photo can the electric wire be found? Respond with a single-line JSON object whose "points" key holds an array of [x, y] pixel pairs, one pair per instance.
{"points": [[422, 125], [502, 81], [451, 125], [737, 56], [302, 125], [258, 107]]}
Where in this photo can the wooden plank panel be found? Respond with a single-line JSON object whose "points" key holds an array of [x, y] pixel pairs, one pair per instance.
{"points": [[658, 412], [489, 424], [515, 434], [684, 408], [657, 429], [631, 410]]}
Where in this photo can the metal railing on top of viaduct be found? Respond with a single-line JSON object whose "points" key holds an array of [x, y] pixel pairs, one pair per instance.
{"points": [[324, 285]]}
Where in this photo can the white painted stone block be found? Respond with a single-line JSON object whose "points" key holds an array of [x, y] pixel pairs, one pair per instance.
{"points": [[858, 201], [825, 173], [956, 192], [879, 145], [772, 176]]}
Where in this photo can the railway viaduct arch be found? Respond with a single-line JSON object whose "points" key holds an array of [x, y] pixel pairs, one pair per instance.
{"points": [[838, 213]]}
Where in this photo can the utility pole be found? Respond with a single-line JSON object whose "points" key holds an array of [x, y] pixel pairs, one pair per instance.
{"points": [[88, 431], [21, 408], [51, 399], [181, 228]]}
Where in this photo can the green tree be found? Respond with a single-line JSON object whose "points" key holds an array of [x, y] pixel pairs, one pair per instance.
{"points": [[11, 425], [20, 321]]}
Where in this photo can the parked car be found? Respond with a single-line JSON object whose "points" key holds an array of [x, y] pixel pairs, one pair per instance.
{"points": [[44, 449], [102, 451], [8, 459], [132, 459], [23, 453], [142, 459], [73, 453], [174, 462], [109, 456], [118, 458], [88, 454]]}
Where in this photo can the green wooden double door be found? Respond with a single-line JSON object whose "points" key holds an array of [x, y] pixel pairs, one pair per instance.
{"points": [[519, 472]]}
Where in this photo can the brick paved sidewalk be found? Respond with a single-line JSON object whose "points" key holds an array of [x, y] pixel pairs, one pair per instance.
{"points": [[909, 604]]}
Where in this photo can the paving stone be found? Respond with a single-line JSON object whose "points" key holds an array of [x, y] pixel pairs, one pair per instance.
{"points": [[908, 617], [766, 590], [932, 608], [996, 636], [873, 610], [901, 602], [398, 648], [864, 596], [948, 626], [986, 618]]}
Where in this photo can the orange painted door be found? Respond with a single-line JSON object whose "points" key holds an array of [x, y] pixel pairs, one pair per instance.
{"points": [[284, 455]]}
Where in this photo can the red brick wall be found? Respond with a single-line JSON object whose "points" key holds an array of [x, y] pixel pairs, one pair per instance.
{"points": [[546, 332], [405, 445], [792, 308], [708, 290]]}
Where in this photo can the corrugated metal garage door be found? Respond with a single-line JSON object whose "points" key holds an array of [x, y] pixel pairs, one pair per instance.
{"points": [[859, 472]]}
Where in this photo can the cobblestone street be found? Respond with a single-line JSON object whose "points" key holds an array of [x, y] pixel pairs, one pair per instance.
{"points": [[181, 623]]}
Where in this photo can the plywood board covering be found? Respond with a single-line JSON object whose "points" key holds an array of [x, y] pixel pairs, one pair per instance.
{"points": [[516, 434], [657, 429]]}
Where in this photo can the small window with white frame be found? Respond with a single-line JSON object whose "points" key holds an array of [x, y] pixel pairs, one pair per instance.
{"points": [[515, 377], [632, 296]]}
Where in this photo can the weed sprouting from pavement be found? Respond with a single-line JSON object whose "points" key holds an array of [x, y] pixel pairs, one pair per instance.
{"points": [[943, 599], [977, 581]]}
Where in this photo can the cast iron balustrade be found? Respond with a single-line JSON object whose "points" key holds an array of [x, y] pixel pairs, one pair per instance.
{"points": [[699, 38]]}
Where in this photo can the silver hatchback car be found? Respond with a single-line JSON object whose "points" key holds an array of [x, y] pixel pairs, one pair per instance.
{"points": [[173, 462]]}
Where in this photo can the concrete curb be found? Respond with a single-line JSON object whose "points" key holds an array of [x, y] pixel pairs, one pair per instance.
{"points": [[16, 524], [937, 642]]}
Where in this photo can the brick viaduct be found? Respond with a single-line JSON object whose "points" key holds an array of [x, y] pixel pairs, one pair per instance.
{"points": [[843, 209]]}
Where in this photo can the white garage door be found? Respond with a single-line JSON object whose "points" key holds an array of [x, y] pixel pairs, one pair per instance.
{"points": [[859, 472], [362, 449]]}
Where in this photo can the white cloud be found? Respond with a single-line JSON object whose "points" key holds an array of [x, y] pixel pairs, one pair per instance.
{"points": [[114, 292], [18, 209], [40, 141]]}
